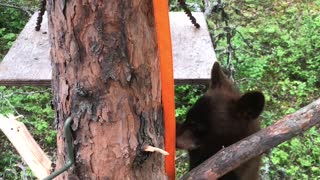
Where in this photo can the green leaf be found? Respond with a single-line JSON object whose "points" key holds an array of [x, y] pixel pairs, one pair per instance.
{"points": [[9, 36], [304, 162]]}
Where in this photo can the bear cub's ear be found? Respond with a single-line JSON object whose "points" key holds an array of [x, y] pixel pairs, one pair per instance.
{"points": [[217, 76], [250, 105]]}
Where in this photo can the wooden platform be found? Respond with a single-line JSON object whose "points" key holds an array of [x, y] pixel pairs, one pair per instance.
{"points": [[193, 54], [28, 63]]}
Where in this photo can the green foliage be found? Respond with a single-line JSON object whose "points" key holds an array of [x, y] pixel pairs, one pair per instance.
{"points": [[297, 158], [13, 20], [276, 52], [275, 48], [11, 23], [34, 105], [195, 5], [185, 97], [182, 165]]}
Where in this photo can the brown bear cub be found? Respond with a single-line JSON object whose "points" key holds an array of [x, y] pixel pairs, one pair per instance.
{"points": [[221, 117]]}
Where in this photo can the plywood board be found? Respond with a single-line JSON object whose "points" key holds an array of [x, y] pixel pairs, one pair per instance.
{"points": [[26, 146], [28, 62], [193, 53]]}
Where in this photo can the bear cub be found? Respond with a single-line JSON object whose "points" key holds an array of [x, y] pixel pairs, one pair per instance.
{"points": [[221, 117]]}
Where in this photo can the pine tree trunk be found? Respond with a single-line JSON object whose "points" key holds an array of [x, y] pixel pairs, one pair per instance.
{"points": [[106, 77]]}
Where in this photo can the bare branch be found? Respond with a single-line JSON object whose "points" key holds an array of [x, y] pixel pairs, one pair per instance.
{"points": [[231, 157], [16, 7], [207, 7]]}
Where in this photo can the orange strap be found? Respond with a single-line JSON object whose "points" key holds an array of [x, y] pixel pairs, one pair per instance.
{"points": [[161, 14]]}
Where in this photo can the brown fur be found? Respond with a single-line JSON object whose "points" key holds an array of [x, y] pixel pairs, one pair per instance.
{"points": [[221, 117]]}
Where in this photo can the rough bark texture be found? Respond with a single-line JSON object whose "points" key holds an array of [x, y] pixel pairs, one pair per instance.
{"points": [[106, 77], [254, 145]]}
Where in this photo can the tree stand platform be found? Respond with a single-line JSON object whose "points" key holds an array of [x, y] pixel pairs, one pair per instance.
{"points": [[28, 60]]}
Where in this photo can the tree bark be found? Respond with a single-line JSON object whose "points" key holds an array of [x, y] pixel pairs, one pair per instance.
{"points": [[106, 77], [231, 157]]}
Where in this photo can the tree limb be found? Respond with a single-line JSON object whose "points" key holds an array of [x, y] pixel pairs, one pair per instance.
{"points": [[207, 7], [231, 157], [16, 7]]}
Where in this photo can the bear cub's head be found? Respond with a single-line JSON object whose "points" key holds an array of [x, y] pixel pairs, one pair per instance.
{"points": [[221, 117]]}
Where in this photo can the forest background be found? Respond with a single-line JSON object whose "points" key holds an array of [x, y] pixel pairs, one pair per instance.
{"points": [[271, 46]]}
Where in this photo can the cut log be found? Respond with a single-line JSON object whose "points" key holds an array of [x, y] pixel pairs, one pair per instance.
{"points": [[28, 60], [26, 146]]}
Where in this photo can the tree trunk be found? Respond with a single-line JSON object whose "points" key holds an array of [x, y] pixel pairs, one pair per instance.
{"points": [[106, 77]]}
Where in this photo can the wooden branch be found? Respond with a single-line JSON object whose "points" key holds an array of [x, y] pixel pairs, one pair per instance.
{"points": [[155, 149], [26, 146], [231, 157], [208, 6], [16, 7]]}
